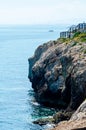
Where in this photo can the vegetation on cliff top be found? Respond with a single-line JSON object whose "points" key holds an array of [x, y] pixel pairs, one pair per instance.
{"points": [[78, 37]]}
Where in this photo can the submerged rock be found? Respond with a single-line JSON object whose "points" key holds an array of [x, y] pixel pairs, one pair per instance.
{"points": [[58, 74], [44, 121]]}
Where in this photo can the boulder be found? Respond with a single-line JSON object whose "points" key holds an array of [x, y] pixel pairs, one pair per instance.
{"points": [[61, 116]]}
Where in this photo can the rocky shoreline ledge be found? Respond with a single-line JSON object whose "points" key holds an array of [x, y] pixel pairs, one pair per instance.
{"points": [[58, 75]]}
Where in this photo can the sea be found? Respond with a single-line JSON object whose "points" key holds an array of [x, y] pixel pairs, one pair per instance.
{"points": [[18, 108]]}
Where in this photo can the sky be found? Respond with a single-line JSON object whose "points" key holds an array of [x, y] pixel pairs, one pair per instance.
{"points": [[42, 11]]}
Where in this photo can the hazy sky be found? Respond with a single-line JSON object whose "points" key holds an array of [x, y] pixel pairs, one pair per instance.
{"points": [[42, 11]]}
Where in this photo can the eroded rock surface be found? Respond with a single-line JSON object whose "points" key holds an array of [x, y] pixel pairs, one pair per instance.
{"points": [[58, 74], [80, 113], [77, 121]]}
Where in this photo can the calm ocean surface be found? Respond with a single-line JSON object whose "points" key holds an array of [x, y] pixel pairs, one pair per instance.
{"points": [[17, 44]]}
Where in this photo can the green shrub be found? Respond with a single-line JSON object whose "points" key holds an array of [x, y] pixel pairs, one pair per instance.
{"points": [[76, 34], [85, 51], [79, 37], [75, 43]]}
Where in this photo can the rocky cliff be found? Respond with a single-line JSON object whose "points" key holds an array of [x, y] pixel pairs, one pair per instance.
{"points": [[58, 73]]}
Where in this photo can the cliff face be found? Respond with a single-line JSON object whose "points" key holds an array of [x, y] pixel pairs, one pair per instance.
{"points": [[58, 74]]}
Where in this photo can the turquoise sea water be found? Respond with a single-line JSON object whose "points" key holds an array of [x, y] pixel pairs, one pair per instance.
{"points": [[17, 44]]}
